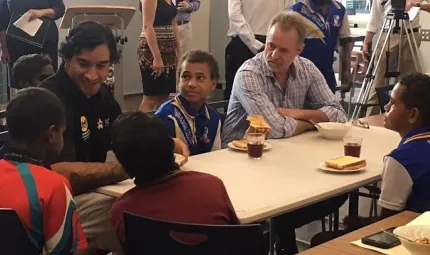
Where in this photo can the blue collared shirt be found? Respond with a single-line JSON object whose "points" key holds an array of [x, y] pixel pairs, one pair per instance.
{"points": [[200, 130], [406, 174], [332, 27], [186, 15]]}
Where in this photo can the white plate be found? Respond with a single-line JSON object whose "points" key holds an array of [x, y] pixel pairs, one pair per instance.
{"points": [[179, 159], [231, 145], [322, 166]]}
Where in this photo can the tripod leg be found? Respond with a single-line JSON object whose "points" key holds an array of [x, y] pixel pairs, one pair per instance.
{"points": [[414, 49], [372, 69]]}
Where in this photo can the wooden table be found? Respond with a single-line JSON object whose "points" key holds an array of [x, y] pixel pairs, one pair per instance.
{"points": [[343, 246], [375, 120], [286, 178]]}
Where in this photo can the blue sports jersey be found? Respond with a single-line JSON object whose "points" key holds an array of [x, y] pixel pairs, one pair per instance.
{"points": [[413, 154], [321, 51], [200, 130]]}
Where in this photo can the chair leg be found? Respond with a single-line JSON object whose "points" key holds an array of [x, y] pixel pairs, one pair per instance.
{"points": [[330, 222], [336, 221], [375, 207], [323, 229], [371, 207]]}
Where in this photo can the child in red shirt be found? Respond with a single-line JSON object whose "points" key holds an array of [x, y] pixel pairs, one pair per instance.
{"points": [[144, 148], [41, 197]]}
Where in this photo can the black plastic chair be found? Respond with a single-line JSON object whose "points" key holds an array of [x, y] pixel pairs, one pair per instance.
{"points": [[221, 107], [154, 237], [383, 94], [13, 237]]}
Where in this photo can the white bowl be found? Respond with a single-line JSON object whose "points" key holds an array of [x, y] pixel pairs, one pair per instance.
{"points": [[333, 130], [414, 233]]}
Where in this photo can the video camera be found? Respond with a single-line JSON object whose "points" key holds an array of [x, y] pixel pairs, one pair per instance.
{"points": [[396, 5]]}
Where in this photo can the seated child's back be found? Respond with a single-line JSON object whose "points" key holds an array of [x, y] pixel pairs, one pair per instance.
{"points": [[143, 146]]}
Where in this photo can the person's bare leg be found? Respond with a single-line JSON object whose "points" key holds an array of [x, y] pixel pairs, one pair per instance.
{"points": [[151, 103], [148, 104], [160, 100]]}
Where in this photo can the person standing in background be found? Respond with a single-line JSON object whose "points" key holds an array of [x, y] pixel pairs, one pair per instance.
{"points": [[183, 18], [249, 20], [12, 49], [157, 52], [378, 12], [329, 19]]}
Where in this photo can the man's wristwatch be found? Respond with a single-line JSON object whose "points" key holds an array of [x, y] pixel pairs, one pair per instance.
{"points": [[418, 5]]}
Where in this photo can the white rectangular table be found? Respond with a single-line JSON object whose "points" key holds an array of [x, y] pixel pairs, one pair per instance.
{"points": [[286, 178]]}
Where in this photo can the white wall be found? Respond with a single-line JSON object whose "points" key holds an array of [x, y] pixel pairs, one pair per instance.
{"points": [[425, 46]]}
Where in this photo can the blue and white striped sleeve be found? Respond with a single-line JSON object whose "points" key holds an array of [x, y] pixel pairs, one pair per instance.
{"points": [[250, 93]]}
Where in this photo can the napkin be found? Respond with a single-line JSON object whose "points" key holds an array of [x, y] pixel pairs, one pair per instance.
{"points": [[29, 26], [422, 220], [413, 12]]}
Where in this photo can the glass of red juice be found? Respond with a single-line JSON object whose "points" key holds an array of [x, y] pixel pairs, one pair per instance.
{"points": [[352, 146], [255, 145]]}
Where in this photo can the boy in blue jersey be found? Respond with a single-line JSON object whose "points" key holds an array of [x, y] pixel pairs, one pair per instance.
{"points": [[329, 19], [406, 170], [406, 173], [187, 116]]}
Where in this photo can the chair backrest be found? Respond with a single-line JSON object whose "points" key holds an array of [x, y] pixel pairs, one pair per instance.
{"points": [[156, 237], [383, 94], [221, 107], [13, 237]]}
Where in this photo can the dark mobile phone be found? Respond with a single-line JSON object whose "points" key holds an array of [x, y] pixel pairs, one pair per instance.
{"points": [[382, 240]]}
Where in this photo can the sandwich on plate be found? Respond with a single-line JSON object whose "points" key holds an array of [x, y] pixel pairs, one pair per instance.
{"points": [[346, 163]]}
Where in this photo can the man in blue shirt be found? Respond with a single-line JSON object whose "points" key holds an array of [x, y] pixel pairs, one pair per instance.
{"points": [[187, 116], [185, 9], [328, 18]]}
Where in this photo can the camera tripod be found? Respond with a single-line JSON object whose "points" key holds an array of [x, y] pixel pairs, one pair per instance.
{"points": [[398, 22]]}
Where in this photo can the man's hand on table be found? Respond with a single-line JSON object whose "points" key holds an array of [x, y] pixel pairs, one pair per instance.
{"points": [[181, 148]]}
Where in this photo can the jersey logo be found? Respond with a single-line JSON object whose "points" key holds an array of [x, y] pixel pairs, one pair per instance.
{"points": [[84, 128], [107, 122], [99, 124], [336, 20], [205, 137]]}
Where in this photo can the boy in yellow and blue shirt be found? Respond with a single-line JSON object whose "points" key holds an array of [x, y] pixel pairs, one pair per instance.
{"points": [[187, 116]]}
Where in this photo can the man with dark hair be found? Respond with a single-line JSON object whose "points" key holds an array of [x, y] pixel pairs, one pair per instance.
{"points": [[143, 146], [36, 120], [30, 70], [87, 53], [406, 171], [187, 116], [330, 19], [406, 174]]}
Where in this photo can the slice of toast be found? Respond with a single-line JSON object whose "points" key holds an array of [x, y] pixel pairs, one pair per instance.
{"points": [[258, 123], [346, 163], [242, 144]]}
